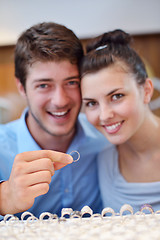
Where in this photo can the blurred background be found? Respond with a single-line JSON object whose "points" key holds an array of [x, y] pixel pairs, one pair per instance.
{"points": [[87, 18]]}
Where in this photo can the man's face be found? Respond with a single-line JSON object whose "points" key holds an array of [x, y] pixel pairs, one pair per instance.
{"points": [[53, 96]]}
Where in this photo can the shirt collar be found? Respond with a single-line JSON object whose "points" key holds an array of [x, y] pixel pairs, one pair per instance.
{"points": [[25, 140]]}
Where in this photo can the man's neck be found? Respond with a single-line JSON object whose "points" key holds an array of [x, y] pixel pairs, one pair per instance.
{"points": [[50, 142], [56, 143]]}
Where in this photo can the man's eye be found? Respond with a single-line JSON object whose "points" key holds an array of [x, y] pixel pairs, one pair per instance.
{"points": [[117, 96], [73, 83], [43, 85]]}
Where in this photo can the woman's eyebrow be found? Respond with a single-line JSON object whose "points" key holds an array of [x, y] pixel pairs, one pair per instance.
{"points": [[87, 99], [113, 91], [108, 94]]}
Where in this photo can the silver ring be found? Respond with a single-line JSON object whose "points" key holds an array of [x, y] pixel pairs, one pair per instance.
{"points": [[86, 210], [96, 215], [26, 215], [46, 215], [76, 214], [71, 153], [107, 210], [66, 211], [10, 217], [126, 207]]}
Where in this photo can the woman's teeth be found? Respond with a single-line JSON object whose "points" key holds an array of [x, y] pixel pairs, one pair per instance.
{"points": [[112, 127]]}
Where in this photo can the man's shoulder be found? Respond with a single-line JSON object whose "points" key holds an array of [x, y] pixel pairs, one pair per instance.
{"points": [[8, 131]]}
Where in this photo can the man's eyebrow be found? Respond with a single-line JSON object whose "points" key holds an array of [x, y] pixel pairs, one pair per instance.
{"points": [[50, 79], [42, 80], [72, 77]]}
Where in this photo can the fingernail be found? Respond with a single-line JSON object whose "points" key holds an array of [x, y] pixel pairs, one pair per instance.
{"points": [[69, 158]]}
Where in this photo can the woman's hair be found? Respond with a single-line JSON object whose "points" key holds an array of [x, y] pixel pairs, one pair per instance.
{"points": [[47, 41], [110, 48]]}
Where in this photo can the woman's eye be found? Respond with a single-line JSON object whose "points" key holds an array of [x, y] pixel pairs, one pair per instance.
{"points": [[117, 96], [90, 104]]}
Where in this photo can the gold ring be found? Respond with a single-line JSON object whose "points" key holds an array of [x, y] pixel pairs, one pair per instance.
{"points": [[146, 207]]}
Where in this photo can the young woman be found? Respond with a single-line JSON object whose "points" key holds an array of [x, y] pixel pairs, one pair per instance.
{"points": [[116, 93]]}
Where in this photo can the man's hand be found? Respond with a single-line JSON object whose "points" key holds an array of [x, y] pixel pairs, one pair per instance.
{"points": [[30, 177]]}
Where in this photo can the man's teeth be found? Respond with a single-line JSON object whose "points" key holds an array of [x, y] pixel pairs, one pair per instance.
{"points": [[59, 113], [113, 126]]}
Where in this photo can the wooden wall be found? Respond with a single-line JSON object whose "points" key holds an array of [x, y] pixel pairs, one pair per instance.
{"points": [[11, 103], [148, 46], [7, 83]]}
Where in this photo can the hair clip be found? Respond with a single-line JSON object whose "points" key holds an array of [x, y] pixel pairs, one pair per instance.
{"points": [[100, 47]]}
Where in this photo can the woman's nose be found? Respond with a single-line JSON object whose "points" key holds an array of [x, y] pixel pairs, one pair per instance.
{"points": [[106, 112]]}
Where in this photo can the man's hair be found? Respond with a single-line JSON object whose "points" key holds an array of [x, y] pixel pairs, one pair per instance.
{"points": [[47, 41]]}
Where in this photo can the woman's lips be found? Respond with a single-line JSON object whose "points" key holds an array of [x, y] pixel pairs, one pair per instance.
{"points": [[113, 128]]}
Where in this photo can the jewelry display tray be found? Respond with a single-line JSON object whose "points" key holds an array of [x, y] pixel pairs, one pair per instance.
{"points": [[84, 224]]}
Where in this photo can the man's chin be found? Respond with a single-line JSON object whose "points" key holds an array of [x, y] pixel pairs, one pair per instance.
{"points": [[63, 133]]}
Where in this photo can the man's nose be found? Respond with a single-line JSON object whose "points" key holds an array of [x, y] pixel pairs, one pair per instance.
{"points": [[60, 97]]}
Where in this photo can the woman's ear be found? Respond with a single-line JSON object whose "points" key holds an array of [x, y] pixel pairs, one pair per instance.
{"points": [[148, 90], [20, 88]]}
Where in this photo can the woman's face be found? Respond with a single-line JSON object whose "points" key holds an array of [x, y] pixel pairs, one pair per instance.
{"points": [[114, 103]]}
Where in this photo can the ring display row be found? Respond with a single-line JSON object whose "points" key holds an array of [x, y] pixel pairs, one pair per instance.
{"points": [[86, 211]]}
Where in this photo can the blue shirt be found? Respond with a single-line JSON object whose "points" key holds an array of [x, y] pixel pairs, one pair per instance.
{"points": [[116, 191], [75, 185]]}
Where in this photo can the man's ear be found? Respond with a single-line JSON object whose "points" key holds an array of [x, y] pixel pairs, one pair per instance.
{"points": [[148, 90], [20, 88]]}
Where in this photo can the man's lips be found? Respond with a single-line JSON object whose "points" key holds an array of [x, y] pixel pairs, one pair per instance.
{"points": [[59, 114]]}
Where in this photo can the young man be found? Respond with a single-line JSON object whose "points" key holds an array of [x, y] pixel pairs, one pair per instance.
{"points": [[47, 58]]}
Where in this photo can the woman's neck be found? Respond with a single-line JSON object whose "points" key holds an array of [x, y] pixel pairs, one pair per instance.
{"points": [[139, 157]]}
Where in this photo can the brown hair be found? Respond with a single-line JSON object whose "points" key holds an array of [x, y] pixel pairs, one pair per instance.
{"points": [[110, 48], [46, 41]]}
